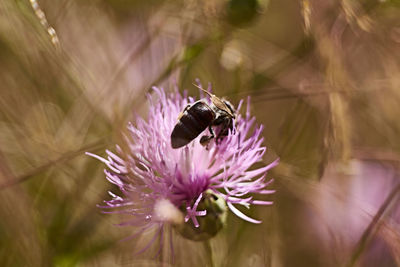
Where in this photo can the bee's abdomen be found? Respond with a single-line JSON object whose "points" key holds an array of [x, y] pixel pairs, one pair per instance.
{"points": [[191, 124], [199, 117]]}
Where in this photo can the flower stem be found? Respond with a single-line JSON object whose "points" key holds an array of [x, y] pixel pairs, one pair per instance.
{"points": [[207, 246]]}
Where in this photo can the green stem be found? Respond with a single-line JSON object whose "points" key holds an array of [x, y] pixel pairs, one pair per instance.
{"points": [[207, 246]]}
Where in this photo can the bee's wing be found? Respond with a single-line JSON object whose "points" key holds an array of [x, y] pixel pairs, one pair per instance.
{"points": [[216, 101], [220, 105]]}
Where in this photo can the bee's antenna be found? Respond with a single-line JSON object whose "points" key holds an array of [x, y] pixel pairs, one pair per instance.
{"points": [[204, 90]]}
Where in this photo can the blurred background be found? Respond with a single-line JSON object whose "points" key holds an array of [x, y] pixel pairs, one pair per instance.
{"points": [[324, 79]]}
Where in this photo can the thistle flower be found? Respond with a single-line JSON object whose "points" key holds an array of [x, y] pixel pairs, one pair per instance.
{"points": [[161, 185]]}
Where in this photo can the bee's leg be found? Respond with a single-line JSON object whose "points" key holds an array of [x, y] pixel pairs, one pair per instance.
{"points": [[226, 125], [232, 126], [205, 139], [211, 131]]}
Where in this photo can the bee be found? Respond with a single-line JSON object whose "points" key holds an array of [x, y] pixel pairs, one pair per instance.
{"points": [[195, 118]]}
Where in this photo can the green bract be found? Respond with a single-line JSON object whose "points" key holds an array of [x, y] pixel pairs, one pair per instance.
{"points": [[211, 223]]}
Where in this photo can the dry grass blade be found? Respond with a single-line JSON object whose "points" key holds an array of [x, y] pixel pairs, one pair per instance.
{"points": [[373, 226], [67, 156]]}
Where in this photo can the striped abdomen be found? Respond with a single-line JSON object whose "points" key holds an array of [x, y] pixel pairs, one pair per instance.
{"points": [[193, 121]]}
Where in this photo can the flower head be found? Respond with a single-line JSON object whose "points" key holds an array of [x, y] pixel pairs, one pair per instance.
{"points": [[160, 184]]}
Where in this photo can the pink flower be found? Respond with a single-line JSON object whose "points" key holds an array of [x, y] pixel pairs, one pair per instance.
{"points": [[151, 174]]}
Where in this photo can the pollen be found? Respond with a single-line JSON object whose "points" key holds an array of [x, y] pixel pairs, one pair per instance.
{"points": [[165, 211]]}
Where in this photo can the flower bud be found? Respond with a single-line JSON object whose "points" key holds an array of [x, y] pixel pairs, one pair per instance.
{"points": [[211, 223]]}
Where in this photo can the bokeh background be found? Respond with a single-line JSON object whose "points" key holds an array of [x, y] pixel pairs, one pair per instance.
{"points": [[324, 79]]}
